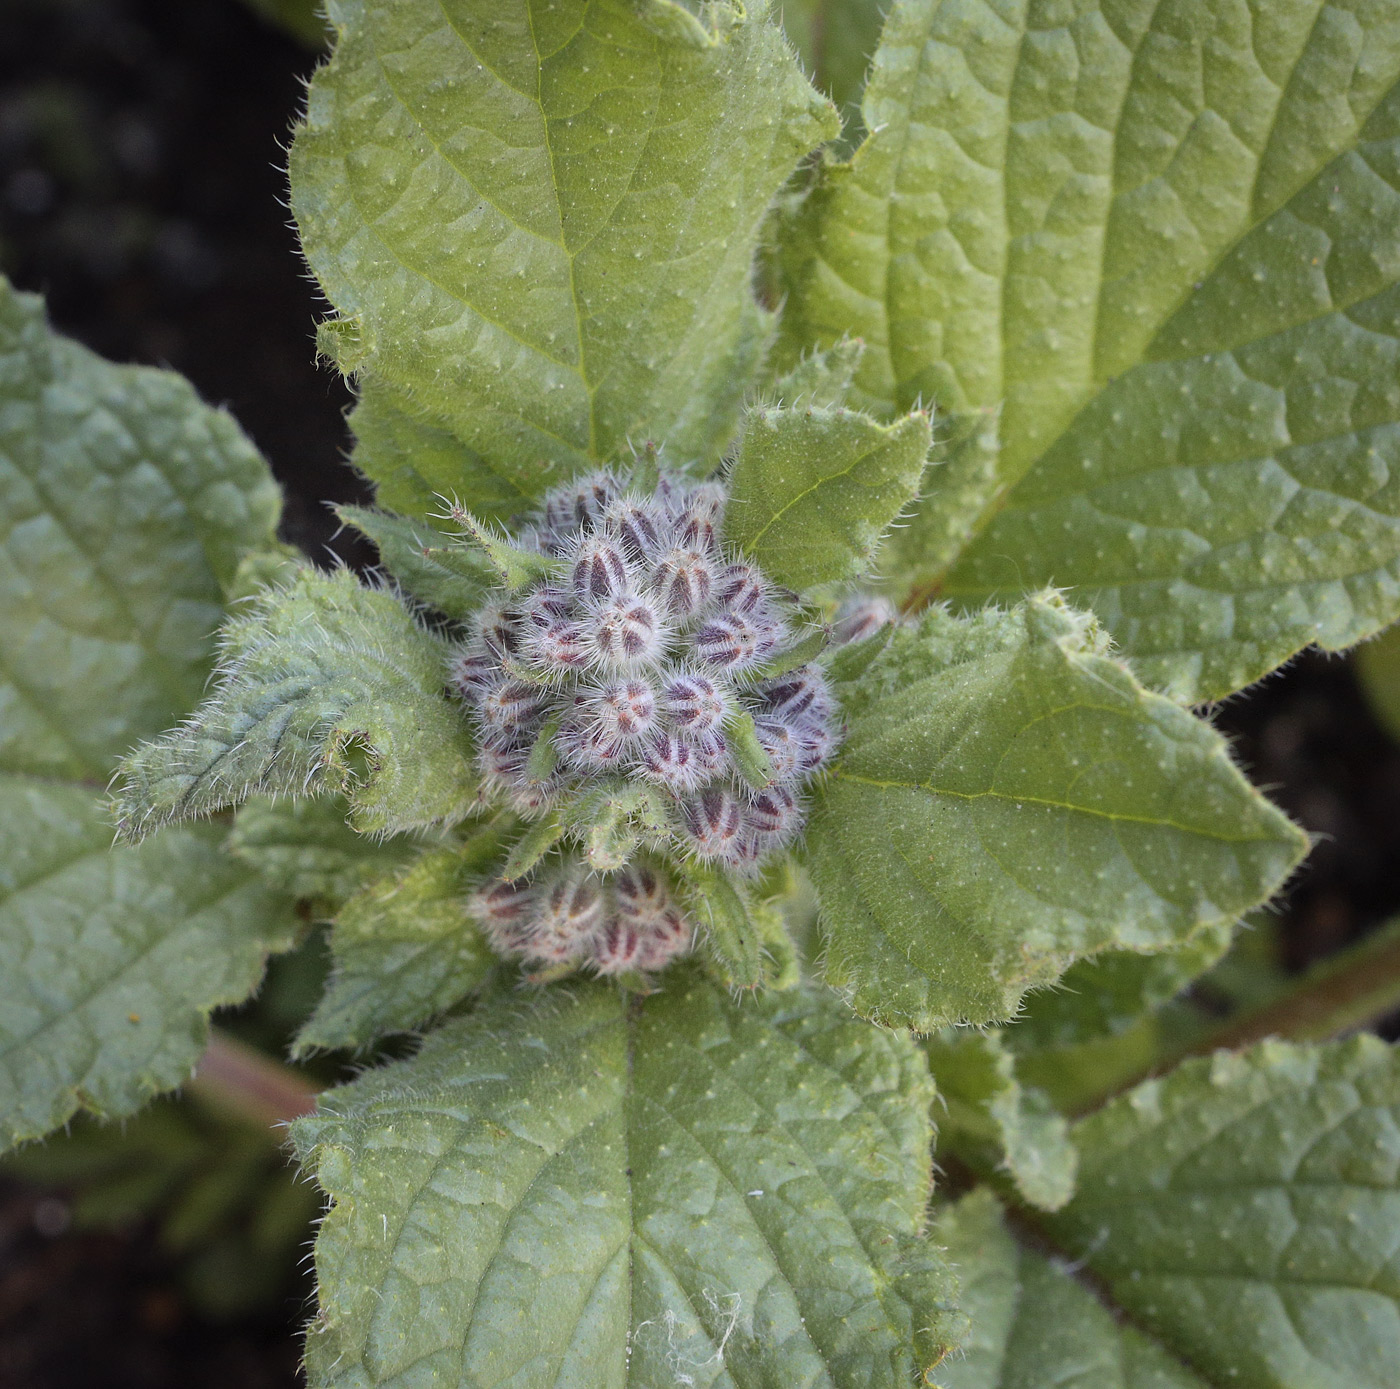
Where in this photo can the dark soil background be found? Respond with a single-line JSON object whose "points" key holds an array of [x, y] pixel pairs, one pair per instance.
{"points": [[141, 190]]}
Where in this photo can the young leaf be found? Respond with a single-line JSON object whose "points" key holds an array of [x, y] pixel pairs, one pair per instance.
{"points": [[403, 948], [128, 505], [1010, 798], [414, 462], [1245, 1212], [835, 39], [813, 490], [111, 959], [1107, 995], [306, 847], [585, 1192], [821, 378], [314, 674], [1033, 1322], [437, 569], [544, 296], [988, 1107], [1164, 246]]}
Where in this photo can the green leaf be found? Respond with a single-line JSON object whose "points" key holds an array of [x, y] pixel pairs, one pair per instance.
{"points": [[1033, 1322], [318, 680], [821, 378], [1107, 995], [131, 512], [1377, 666], [1245, 1212], [414, 462], [988, 1108], [403, 949], [1009, 799], [435, 568], [1161, 239], [584, 1191], [127, 505], [302, 19], [307, 848], [813, 490], [521, 218], [111, 959]]}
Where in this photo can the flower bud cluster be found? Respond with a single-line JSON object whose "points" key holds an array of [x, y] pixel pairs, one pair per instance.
{"points": [[633, 660], [569, 916]]}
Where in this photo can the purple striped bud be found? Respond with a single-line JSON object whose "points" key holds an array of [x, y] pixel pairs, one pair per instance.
{"points": [[504, 912], [670, 762], [599, 569], [510, 708], [859, 618], [570, 910], [783, 747], [544, 539], [624, 711], [545, 606], [472, 669], [817, 742], [587, 747], [562, 648], [617, 948], [698, 519], [638, 526], [731, 641], [714, 820], [711, 753], [579, 503], [681, 580], [694, 703], [625, 632], [740, 589], [503, 768], [640, 890], [498, 626], [801, 692], [773, 812], [667, 936]]}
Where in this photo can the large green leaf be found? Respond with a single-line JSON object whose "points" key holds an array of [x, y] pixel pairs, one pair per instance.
{"points": [[111, 959], [1010, 798], [1246, 1211], [835, 39], [537, 221], [1162, 239], [125, 507], [1033, 1324], [813, 489], [589, 1192], [325, 685], [991, 1116], [403, 949]]}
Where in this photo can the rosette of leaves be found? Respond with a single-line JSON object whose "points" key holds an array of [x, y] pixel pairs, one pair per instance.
{"points": [[1082, 360]]}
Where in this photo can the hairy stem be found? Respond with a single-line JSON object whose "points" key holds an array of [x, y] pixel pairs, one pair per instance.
{"points": [[240, 1080]]}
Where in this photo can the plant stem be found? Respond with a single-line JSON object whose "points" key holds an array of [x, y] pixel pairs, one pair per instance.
{"points": [[240, 1080], [1340, 994]]}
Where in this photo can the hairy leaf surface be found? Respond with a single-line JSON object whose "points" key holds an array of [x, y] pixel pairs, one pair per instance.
{"points": [[403, 948], [325, 685], [1245, 1210], [127, 504], [989, 1108], [307, 848], [1009, 798], [1161, 238], [1033, 1323], [111, 959], [537, 222], [581, 1191], [813, 490]]}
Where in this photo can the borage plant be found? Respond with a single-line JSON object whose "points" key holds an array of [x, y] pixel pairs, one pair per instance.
{"points": [[796, 571]]}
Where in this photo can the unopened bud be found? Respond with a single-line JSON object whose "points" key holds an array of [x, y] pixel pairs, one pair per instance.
{"points": [[693, 703], [671, 762], [681, 580], [511, 707], [600, 570], [731, 641], [740, 589], [667, 936], [800, 692], [638, 526], [859, 618], [624, 710], [625, 631], [471, 670], [782, 745], [714, 820], [498, 626], [640, 890]]}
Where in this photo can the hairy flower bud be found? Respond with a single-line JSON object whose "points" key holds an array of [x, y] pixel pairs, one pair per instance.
{"points": [[633, 658], [600, 570], [861, 617], [681, 579], [625, 631]]}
